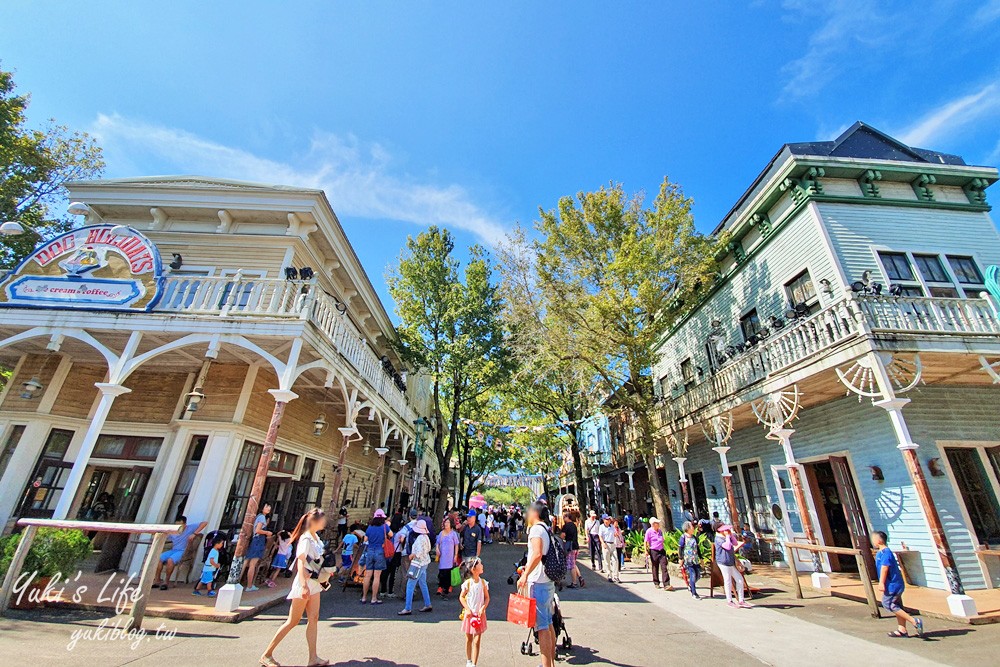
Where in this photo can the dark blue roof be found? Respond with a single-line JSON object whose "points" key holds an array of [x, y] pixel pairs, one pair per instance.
{"points": [[865, 142]]}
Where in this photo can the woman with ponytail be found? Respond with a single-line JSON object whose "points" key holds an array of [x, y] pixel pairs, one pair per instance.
{"points": [[305, 589]]}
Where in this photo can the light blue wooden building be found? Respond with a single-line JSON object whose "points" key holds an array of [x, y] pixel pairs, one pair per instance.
{"points": [[850, 341]]}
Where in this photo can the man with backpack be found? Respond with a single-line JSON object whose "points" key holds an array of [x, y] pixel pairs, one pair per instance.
{"points": [[546, 565]]}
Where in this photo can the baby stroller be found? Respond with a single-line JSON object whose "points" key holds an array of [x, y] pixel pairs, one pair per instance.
{"points": [[558, 627]]}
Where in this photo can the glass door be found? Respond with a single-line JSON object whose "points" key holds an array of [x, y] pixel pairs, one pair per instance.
{"points": [[790, 514], [46, 484], [977, 492]]}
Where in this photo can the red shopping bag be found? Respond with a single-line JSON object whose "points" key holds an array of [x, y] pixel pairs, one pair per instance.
{"points": [[521, 610]]}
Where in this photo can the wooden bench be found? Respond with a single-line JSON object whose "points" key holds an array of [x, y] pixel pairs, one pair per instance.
{"points": [[982, 552]]}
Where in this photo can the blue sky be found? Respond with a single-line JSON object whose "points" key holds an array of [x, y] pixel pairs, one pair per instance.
{"points": [[473, 115]]}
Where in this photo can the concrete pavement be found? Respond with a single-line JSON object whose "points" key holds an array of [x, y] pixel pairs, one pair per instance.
{"points": [[632, 625]]}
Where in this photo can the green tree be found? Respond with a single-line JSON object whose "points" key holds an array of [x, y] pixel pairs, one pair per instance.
{"points": [[451, 327], [550, 380], [481, 456], [35, 165], [619, 275]]}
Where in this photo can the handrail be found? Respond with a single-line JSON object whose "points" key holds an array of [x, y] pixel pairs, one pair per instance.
{"points": [[840, 551], [31, 526], [915, 315]]}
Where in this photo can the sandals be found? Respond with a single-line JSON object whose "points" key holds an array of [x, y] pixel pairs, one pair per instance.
{"points": [[919, 624], [426, 609], [377, 601], [319, 662], [268, 661], [403, 612], [897, 633]]}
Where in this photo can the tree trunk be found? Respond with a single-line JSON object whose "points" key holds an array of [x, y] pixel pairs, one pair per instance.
{"points": [[444, 458], [581, 489], [659, 493]]}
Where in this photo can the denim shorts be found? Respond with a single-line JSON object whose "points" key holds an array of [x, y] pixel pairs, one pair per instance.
{"points": [[175, 555], [893, 602], [207, 576], [544, 595], [375, 559]]}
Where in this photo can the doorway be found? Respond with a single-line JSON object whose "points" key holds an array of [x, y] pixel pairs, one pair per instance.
{"points": [[114, 494], [305, 495], [698, 495], [977, 490], [841, 519]]}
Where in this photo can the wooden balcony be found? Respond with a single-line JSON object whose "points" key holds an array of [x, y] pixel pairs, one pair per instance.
{"points": [[852, 319], [242, 296]]}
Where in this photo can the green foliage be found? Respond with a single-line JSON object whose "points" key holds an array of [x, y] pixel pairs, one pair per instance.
{"points": [[672, 545], [520, 495], [35, 164], [53, 550], [634, 542], [451, 328]]}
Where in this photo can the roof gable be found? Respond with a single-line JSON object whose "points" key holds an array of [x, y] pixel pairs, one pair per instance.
{"points": [[862, 141]]}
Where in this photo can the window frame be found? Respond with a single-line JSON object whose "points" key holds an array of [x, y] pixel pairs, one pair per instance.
{"points": [[813, 302], [744, 318], [926, 288]]}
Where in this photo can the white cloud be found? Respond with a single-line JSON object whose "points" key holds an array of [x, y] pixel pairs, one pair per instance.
{"points": [[357, 177], [987, 13], [953, 116]]}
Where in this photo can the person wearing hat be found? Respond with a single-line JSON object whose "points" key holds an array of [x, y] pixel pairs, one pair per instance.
{"points": [[607, 533], [726, 548], [657, 554], [420, 559], [375, 536], [591, 527], [472, 537]]}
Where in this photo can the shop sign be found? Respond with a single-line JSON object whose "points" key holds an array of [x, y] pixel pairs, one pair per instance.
{"points": [[88, 268]]}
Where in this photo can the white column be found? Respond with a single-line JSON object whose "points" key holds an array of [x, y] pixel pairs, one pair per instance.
{"points": [[109, 392], [19, 467]]}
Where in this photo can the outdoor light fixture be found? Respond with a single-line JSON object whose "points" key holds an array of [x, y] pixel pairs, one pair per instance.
{"points": [[877, 473], [78, 208], [934, 465], [178, 261], [11, 228], [896, 290], [776, 322], [340, 306], [367, 449], [319, 425], [827, 285], [31, 388], [712, 490], [194, 399], [291, 273], [306, 273], [673, 493]]}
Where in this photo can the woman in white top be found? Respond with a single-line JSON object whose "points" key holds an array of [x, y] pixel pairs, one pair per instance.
{"points": [[417, 573], [534, 583], [305, 589]]}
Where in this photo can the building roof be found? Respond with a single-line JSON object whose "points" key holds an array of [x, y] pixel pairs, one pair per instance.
{"points": [[195, 181], [858, 142]]}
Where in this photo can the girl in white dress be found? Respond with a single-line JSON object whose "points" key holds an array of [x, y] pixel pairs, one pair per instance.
{"points": [[305, 589]]}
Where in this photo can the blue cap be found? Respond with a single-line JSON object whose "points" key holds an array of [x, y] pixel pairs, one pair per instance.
{"points": [[604, 516], [471, 513]]}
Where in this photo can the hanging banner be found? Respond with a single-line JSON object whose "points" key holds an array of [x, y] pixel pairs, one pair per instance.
{"points": [[88, 268]]}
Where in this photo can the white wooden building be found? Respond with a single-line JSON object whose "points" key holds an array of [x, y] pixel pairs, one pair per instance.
{"points": [[150, 384], [855, 285]]}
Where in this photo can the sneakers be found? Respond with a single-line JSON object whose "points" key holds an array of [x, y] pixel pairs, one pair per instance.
{"points": [[657, 586], [610, 580], [668, 588], [696, 597], [252, 589], [211, 594], [195, 592], [919, 624], [733, 604], [746, 605]]}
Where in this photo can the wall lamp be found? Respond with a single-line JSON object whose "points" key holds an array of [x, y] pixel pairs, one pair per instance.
{"points": [[320, 425], [31, 389], [194, 400], [877, 473], [712, 490], [934, 465]]}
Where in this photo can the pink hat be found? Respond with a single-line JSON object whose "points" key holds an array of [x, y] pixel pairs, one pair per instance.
{"points": [[723, 528], [379, 514]]}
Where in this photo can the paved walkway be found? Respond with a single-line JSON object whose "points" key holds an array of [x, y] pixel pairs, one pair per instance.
{"points": [[632, 625]]}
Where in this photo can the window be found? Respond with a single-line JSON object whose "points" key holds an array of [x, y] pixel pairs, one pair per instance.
{"points": [[933, 273], [760, 512], [127, 447], [239, 492], [45, 487], [245, 289], [282, 462], [968, 275], [665, 386], [687, 372], [178, 501], [9, 446], [800, 290], [750, 324], [308, 470], [897, 266]]}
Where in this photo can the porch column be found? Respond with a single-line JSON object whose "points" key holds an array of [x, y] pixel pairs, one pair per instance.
{"points": [[784, 435], [381, 451], [338, 477], [685, 498], [399, 482], [230, 595], [109, 392], [959, 603], [727, 478]]}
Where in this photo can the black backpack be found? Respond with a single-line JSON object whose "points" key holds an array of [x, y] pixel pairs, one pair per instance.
{"points": [[554, 561]]}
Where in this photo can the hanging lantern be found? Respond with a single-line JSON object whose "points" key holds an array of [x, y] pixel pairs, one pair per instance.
{"points": [[367, 449], [319, 425], [31, 389], [194, 399]]}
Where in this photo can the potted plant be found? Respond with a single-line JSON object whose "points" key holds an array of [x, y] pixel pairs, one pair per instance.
{"points": [[53, 551], [635, 547]]}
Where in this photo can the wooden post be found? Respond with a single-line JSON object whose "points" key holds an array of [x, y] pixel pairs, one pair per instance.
{"points": [[281, 399], [146, 581], [734, 514], [16, 563], [869, 588], [800, 500], [379, 476], [338, 477], [796, 586]]}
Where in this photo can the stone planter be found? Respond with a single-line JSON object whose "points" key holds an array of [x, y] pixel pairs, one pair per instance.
{"points": [[31, 598]]}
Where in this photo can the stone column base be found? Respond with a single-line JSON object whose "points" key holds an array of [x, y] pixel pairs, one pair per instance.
{"points": [[961, 605], [228, 598], [820, 581]]}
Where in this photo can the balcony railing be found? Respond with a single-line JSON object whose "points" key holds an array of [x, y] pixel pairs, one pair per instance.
{"points": [[852, 317], [247, 296]]}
